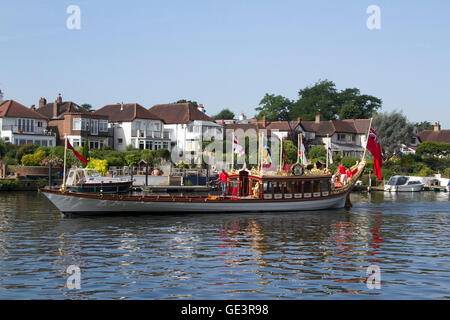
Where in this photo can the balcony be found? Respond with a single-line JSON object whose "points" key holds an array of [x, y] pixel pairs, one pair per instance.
{"points": [[33, 130], [150, 134]]}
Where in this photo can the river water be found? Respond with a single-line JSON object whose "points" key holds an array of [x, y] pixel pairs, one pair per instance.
{"points": [[303, 255]]}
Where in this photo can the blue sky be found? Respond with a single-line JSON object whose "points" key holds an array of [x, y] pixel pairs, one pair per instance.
{"points": [[227, 54]]}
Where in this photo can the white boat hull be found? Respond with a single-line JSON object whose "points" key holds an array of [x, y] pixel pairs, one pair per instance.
{"points": [[404, 188], [69, 204]]}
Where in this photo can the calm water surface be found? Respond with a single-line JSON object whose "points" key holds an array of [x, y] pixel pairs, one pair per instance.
{"points": [[305, 255]]}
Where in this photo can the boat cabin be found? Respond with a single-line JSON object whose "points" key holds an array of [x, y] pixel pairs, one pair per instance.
{"points": [[244, 185], [90, 180]]}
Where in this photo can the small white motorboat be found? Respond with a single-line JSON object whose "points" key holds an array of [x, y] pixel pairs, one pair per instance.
{"points": [[403, 183]]}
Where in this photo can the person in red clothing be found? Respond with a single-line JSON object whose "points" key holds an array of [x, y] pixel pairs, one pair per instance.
{"points": [[349, 173], [223, 177], [342, 173]]}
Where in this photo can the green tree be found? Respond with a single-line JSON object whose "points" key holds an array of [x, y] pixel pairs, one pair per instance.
{"points": [[317, 152], [225, 114], [424, 125], [87, 106], [2, 148], [275, 108], [320, 98], [433, 148], [393, 129], [85, 152], [290, 151], [354, 105], [194, 103]]}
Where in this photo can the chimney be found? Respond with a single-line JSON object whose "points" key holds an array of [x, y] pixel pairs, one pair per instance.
{"points": [[42, 102], [242, 117], [317, 118], [55, 110], [59, 100], [33, 107], [264, 121], [121, 106], [201, 108], [1, 97], [437, 126]]}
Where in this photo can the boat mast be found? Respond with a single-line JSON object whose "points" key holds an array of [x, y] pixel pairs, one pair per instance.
{"points": [[232, 151], [64, 169], [367, 139], [326, 147], [281, 154]]}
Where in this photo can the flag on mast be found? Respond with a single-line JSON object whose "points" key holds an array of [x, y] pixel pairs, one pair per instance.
{"points": [[238, 147], [373, 145], [79, 156], [302, 154], [330, 154], [267, 156]]}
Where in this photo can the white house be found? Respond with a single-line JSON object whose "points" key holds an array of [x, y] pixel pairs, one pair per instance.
{"points": [[188, 125], [21, 125], [134, 125]]}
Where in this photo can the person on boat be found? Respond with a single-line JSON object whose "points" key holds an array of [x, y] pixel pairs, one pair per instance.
{"points": [[223, 177], [342, 173], [349, 174]]}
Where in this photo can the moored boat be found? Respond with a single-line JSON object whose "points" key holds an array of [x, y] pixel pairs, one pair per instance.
{"points": [[91, 181], [247, 191], [403, 183]]}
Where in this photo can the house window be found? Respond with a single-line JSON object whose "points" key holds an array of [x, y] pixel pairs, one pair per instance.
{"points": [[158, 145], [149, 145], [94, 127], [85, 124], [39, 124], [103, 126], [165, 145], [157, 126], [76, 124], [341, 137], [141, 144], [120, 141], [76, 143]]}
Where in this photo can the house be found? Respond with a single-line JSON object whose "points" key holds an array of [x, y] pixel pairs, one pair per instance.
{"points": [[80, 126], [188, 125], [435, 135], [20, 125], [132, 124], [279, 129], [347, 137]]}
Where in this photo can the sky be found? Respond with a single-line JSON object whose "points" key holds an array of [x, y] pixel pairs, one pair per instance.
{"points": [[227, 54]]}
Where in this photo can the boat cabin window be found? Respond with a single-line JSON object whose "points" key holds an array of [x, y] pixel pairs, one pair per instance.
{"points": [[92, 173], [325, 185], [396, 181]]}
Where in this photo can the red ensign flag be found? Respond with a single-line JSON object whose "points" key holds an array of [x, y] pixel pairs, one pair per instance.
{"points": [[79, 156], [374, 147]]}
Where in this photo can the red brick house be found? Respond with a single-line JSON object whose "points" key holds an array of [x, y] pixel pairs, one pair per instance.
{"points": [[66, 118]]}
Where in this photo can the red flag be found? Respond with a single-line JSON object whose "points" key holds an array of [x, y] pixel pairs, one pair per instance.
{"points": [[374, 147], [79, 156]]}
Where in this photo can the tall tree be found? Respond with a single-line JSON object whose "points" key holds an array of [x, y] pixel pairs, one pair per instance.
{"points": [[275, 108], [321, 98], [393, 129], [353, 105], [225, 114]]}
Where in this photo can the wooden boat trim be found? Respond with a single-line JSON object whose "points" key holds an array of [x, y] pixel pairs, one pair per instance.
{"points": [[116, 197]]}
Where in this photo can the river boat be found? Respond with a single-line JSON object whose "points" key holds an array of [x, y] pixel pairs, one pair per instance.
{"points": [[403, 183], [247, 191]]}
